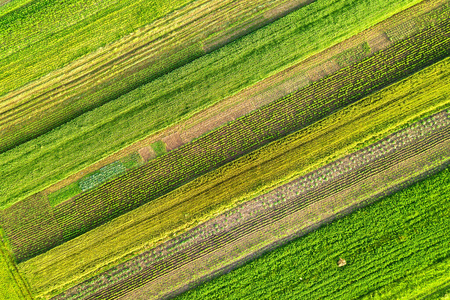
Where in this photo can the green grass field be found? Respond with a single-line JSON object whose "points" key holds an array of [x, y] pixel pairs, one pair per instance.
{"points": [[389, 246], [126, 125], [92, 136], [116, 69]]}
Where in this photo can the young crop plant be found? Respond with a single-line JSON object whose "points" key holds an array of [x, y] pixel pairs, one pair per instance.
{"points": [[157, 104]]}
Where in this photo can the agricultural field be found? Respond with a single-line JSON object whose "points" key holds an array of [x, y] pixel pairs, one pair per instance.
{"points": [[157, 220], [190, 148], [288, 200], [213, 150]]}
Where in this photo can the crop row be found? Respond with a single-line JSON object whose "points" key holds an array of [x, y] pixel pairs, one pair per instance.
{"points": [[305, 183], [138, 59], [391, 241], [245, 134], [270, 207]]}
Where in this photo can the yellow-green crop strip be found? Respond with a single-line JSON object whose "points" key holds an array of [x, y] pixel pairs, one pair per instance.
{"points": [[34, 37], [277, 163], [12, 286]]}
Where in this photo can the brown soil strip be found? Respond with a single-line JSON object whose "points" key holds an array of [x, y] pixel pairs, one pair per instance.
{"points": [[387, 159], [379, 42], [147, 153], [258, 95], [172, 141]]}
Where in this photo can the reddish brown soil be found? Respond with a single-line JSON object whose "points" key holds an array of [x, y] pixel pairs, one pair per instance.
{"points": [[379, 42], [206, 126], [325, 69], [147, 153], [173, 141]]}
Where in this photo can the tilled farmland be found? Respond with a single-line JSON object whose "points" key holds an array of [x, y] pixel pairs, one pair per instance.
{"points": [[188, 150]]}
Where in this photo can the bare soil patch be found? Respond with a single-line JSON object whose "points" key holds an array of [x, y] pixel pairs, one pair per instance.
{"points": [[379, 42], [324, 69], [173, 141], [147, 153], [205, 126]]}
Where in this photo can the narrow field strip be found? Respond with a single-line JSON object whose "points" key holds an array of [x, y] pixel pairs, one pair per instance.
{"points": [[383, 56], [45, 35], [264, 92], [245, 246], [248, 176], [140, 113], [265, 209], [95, 207], [401, 234]]}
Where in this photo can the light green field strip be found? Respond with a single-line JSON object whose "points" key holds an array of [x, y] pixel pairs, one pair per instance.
{"points": [[402, 234], [46, 35], [7, 6], [12, 286], [416, 285], [103, 131], [113, 70], [400, 172], [105, 246]]}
